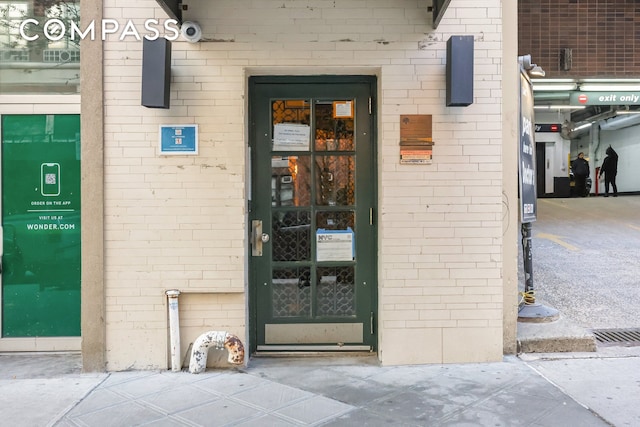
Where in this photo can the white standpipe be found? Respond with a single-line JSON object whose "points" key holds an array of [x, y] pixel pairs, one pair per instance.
{"points": [[174, 329]]}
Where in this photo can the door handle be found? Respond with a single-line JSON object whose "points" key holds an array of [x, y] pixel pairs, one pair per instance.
{"points": [[257, 237]]}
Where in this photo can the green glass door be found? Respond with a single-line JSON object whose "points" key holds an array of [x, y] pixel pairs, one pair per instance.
{"points": [[40, 225], [313, 256]]}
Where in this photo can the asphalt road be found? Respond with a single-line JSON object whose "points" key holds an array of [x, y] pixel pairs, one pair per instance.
{"points": [[586, 259]]}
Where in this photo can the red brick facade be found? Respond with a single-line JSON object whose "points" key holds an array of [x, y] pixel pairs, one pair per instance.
{"points": [[603, 35]]}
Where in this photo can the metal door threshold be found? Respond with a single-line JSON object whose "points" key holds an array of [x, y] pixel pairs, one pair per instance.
{"points": [[314, 348]]}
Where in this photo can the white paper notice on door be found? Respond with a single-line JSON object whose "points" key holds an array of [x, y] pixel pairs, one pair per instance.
{"points": [[334, 245], [291, 136]]}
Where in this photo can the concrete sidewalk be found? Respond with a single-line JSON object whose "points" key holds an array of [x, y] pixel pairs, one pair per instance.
{"points": [[572, 389]]}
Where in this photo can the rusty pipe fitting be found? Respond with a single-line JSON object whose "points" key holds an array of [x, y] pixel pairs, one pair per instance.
{"points": [[219, 339]]}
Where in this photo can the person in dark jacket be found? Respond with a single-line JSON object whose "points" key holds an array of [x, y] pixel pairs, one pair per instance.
{"points": [[610, 169], [580, 169]]}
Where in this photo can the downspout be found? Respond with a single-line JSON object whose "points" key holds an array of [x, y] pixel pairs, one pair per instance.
{"points": [[174, 329]]}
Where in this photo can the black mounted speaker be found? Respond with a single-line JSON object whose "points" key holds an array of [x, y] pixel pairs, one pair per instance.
{"points": [[156, 73], [459, 71]]}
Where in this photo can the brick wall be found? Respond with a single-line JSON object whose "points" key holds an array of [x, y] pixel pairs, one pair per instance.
{"points": [[180, 222], [603, 36]]}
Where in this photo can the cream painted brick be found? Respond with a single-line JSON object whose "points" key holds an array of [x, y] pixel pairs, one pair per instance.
{"points": [[481, 288], [435, 314], [425, 324], [201, 94], [398, 291], [440, 290], [394, 346], [395, 315], [483, 301], [465, 257], [473, 324], [478, 313], [394, 324], [481, 344]]}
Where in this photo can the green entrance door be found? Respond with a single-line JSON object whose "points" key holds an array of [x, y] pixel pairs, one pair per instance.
{"points": [[313, 194], [40, 226]]}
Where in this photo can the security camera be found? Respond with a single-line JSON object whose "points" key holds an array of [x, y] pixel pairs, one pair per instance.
{"points": [[191, 31]]}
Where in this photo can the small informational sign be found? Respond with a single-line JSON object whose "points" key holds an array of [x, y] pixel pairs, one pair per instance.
{"points": [[335, 245], [416, 143], [605, 98], [527, 155], [416, 155], [342, 109], [280, 162], [178, 139], [291, 137]]}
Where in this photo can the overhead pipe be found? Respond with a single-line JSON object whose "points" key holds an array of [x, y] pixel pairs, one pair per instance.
{"points": [[620, 122], [220, 340], [174, 329]]}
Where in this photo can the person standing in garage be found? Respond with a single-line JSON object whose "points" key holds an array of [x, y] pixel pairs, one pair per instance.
{"points": [[610, 169], [580, 168]]}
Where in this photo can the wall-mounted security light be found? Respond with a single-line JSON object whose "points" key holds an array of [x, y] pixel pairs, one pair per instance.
{"points": [[530, 68]]}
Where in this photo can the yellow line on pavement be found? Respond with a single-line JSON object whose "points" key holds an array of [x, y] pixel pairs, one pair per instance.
{"points": [[556, 239]]}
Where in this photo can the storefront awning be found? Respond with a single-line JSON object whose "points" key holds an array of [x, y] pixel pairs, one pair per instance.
{"points": [[172, 8]]}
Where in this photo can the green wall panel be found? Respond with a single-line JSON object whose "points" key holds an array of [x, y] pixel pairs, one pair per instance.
{"points": [[41, 225]]}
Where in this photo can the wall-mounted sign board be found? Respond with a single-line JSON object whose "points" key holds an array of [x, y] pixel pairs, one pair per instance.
{"points": [[416, 141], [178, 139], [605, 98], [416, 154]]}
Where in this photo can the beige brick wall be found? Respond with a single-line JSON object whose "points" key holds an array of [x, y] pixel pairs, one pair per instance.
{"points": [[179, 222]]}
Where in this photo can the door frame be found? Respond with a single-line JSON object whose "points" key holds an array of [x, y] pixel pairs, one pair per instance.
{"points": [[372, 81]]}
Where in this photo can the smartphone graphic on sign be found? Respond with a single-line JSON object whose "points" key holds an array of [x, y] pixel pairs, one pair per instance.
{"points": [[50, 179]]}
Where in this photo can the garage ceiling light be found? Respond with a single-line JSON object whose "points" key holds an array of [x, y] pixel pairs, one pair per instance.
{"points": [[559, 107], [605, 87], [628, 112], [558, 87]]}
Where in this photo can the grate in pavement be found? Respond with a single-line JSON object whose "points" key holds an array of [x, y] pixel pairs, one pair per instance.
{"points": [[627, 337]]}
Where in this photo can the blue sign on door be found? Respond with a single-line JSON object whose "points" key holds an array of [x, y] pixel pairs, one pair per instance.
{"points": [[178, 139]]}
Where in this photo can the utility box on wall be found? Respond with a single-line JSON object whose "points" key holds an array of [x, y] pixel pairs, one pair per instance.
{"points": [[156, 73], [459, 71]]}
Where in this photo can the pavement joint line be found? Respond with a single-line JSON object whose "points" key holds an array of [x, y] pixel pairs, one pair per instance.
{"points": [[70, 408], [307, 396], [567, 394]]}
